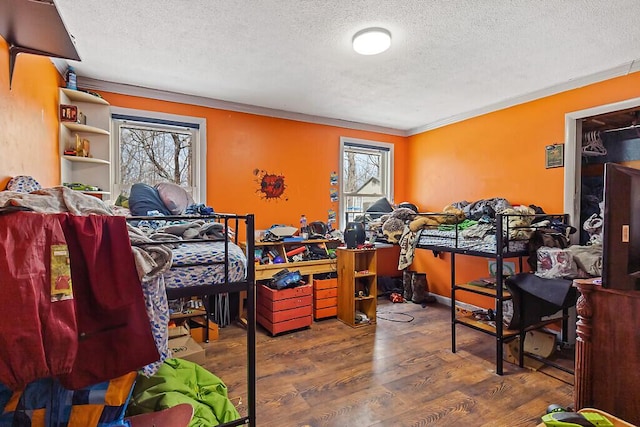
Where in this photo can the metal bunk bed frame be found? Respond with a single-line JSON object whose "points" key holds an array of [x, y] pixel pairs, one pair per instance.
{"points": [[499, 255], [208, 290]]}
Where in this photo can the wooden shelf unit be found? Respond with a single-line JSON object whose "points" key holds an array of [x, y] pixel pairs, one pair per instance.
{"points": [[96, 169], [307, 269], [357, 285]]}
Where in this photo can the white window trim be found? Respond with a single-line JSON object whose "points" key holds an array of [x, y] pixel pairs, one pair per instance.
{"points": [[344, 140], [200, 149]]}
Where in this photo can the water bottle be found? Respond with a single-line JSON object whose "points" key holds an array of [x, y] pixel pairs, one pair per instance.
{"points": [[71, 79], [304, 232]]}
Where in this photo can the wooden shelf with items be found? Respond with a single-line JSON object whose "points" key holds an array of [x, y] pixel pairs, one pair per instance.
{"points": [[309, 268], [84, 141], [272, 250], [195, 319], [483, 290], [357, 286]]}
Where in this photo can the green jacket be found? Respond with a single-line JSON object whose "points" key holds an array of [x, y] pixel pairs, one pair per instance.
{"points": [[180, 381]]}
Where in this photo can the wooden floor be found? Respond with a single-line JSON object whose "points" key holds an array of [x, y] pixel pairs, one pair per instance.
{"points": [[400, 372]]}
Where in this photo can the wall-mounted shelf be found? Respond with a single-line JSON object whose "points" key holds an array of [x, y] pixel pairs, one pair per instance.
{"points": [[80, 96], [94, 170], [86, 160], [79, 127]]}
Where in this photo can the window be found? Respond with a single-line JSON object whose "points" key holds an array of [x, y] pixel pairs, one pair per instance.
{"points": [[366, 174], [153, 148]]}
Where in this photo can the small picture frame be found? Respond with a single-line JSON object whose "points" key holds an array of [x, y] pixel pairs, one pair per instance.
{"points": [[86, 145], [554, 156], [68, 113]]}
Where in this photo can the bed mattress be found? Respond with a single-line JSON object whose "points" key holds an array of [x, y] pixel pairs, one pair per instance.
{"points": [[205, 253], [447, 239]]}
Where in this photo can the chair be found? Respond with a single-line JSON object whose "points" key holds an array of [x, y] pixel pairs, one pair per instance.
{"points": [[176, 416]]}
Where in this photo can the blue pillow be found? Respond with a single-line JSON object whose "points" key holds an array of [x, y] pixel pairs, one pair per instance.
{"points": [[144, 198]]}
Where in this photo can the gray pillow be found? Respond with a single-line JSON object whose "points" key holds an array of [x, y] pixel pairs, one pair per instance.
{"points": [[174, 197]]}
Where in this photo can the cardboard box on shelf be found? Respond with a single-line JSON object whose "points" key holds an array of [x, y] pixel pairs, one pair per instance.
{"points": [[187, 348], [179, 330], [197, 330]]}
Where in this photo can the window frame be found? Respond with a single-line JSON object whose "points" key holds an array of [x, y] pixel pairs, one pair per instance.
{"points": [[387, 170], [199, 146]]}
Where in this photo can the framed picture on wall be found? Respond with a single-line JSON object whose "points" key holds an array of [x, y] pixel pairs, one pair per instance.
{"points": [[68, 113], [554, 156]]}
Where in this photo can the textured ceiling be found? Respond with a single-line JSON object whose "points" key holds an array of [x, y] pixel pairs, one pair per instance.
{"points": [[448, 59]]}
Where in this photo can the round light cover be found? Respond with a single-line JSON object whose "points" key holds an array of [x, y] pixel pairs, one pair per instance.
{"points": [[371, 41]]}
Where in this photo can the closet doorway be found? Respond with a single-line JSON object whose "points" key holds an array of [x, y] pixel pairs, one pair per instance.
{"points": [[607, 133]]}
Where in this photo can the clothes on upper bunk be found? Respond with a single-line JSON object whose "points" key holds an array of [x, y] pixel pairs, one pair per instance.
{"points": [[55, 200], [114, 332], [151, 260], [38, 329], [407, 244], [480, 208], [157, 306], [96, 332], [164, 199], [144, 198]]}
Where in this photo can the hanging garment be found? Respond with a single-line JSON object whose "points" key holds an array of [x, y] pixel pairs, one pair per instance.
{"points": [[38, 331], [114, 331]]}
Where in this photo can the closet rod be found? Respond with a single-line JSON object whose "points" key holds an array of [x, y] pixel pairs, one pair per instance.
{"points": [[622, 128]]}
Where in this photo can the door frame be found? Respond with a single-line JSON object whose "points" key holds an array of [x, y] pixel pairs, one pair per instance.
{"points": [[573, 155]]}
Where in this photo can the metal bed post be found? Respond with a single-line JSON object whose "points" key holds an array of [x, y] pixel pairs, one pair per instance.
{"points": [[499, 292], [251, 319], [453, 302]]}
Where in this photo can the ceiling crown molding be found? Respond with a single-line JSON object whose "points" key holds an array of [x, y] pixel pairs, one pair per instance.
{"points": [[101, 85], [621, 70]]}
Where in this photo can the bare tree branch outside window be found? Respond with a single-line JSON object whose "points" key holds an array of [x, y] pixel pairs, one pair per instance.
{"points": [[151, 156]]}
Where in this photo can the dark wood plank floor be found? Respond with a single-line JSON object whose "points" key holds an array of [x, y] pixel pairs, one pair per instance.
{"points": [[397, 373]]}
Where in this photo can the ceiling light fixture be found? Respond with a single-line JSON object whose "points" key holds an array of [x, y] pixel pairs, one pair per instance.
{"points": [[371, 41]]}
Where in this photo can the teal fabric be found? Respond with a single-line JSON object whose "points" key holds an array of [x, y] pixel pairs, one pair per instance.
{"points": [[180, 381]]}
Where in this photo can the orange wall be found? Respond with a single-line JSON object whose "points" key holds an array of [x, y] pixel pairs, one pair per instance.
{"points": [[29, 119], [497, 154], [239, 143], [500, 154]]}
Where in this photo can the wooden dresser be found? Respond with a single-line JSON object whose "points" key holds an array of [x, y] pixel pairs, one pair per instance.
{"points": [[608, 350], [325, 298]]}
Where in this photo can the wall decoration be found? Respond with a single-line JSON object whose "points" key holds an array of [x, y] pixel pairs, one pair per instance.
{"points": [[333, 179], [68, 113], [333, 194], [554, 156], [270, 186], [331, 218]]}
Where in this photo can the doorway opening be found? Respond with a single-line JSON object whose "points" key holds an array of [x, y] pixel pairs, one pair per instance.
{"points": [[607, 133]]}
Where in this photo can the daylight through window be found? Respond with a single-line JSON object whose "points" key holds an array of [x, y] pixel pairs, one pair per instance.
{"points": [[366, 172], [155, 151]]}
